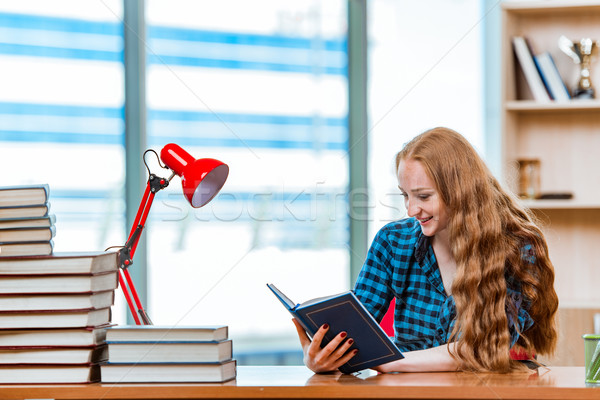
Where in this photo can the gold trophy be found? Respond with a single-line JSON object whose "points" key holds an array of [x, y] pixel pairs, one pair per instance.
{"points": [[581, 52]]}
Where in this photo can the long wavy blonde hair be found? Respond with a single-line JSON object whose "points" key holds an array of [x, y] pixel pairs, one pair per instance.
{"points": [[488, 230]]}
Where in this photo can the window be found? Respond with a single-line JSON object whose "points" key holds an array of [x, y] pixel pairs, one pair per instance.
{"points": [[260, 85], [61, 107], [263, 89]]}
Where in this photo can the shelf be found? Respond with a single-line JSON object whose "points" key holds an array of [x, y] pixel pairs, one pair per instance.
{"points": [[585, 305], [553, 106], [548, 7], [560, 204]]}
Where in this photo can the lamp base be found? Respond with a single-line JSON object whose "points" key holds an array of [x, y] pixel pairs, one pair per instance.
{"points": [[144, 316]]}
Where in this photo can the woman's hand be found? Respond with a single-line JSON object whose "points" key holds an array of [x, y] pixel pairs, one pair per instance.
{"points": [[328, 358]]}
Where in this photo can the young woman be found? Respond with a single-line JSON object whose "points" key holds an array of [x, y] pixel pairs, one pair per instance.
{"points": [[469, 269]]}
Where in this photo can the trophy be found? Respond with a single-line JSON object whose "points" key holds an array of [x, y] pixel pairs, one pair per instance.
{"points": [[581, 52]]}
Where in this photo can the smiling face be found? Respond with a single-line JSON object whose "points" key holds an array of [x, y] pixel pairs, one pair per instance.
{"points": [[421, 197]]}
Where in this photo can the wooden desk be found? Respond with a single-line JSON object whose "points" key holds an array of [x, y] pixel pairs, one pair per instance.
{"points": [[298, 382]]}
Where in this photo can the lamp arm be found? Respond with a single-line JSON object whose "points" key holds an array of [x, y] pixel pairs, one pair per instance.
{"points": [[153, 185], [126, 253]]}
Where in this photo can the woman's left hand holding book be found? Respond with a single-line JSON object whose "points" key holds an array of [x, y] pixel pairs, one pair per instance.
{"points": [[326, 359]]}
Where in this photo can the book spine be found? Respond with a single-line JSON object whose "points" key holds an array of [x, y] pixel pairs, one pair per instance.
{"points": [[544, 77], [551, 77], [309, 328]]}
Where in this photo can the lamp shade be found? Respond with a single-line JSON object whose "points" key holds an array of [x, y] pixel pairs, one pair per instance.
{"points": [[201, 178]]}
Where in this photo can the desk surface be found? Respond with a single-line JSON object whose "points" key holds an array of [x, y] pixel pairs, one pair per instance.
{"points": [[299, 382]]}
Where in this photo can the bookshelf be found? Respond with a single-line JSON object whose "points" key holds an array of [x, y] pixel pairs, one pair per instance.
{"points": [[564, 136]]}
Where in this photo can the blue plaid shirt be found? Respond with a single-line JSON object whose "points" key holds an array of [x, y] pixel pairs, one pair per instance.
{"points": [[401, 264]]}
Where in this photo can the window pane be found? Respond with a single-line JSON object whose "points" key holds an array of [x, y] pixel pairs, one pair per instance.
{"points": [[61, 112], [421, 75], [261, 86]]}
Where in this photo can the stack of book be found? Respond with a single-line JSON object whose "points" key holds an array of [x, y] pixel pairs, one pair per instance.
{"points": [[26, 227], [53, 313], [151, 353]]}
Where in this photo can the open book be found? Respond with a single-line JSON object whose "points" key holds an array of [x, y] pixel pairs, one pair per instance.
{"points": [[344, 312]]}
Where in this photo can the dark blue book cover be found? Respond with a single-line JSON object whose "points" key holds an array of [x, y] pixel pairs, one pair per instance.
{"points": [[344, 312]]}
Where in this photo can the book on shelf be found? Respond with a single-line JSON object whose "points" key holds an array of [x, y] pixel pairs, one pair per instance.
{"points": [[26, 249], [344, 312], [28, 222], [91, 336], [526, 62], [35, 211], [24, 235], [54, 319], [82, 283], [551, 77], [60, 263], [24, 195], [53, 355], [49, 373], [173, 352], [171, 373], [157, 333], [56, 301]]}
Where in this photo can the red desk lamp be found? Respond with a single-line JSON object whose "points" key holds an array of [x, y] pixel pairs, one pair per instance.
{"points": [[201, 179]]}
